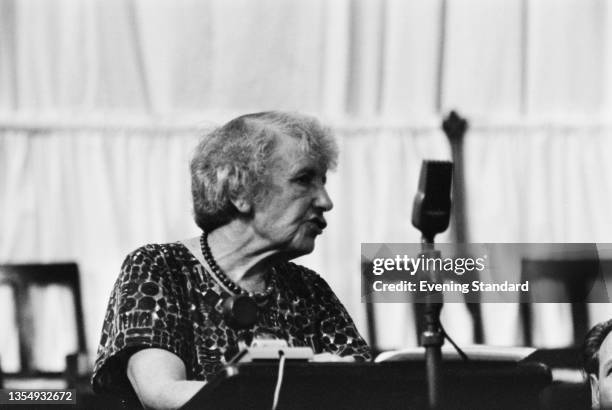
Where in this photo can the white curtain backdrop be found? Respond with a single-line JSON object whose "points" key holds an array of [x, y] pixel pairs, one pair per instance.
{"points": [[102, 102]]}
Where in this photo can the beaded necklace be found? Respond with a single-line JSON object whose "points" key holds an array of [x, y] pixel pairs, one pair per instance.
{"points": [[230, 284]]}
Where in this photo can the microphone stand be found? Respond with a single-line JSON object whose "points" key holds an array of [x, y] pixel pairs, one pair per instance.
{"points": [[432, 337], [430, 215]]}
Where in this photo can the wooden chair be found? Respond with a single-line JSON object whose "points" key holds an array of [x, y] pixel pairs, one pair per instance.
{"points": [[577, 281], [21, 278]]}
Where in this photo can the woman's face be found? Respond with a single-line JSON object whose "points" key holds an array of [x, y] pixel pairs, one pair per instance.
{"points": [[290, 215]]}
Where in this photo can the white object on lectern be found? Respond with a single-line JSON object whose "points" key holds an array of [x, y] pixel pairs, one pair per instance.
{"points": [[272, 349]]}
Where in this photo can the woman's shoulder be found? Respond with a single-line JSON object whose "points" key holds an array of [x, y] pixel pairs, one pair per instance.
{"points": [[161, 250], [160, 254], [156, 262]]}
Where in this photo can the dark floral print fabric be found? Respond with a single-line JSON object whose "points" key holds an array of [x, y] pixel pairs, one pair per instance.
{"points": [[165, 299]]}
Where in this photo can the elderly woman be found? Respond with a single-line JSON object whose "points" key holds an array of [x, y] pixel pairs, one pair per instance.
{"points": [[259, 196]]}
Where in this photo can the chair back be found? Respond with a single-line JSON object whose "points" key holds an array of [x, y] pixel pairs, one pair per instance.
{"points": [[23, 280]]}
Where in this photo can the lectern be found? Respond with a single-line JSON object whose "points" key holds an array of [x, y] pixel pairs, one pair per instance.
{"points": [[392, 385]]}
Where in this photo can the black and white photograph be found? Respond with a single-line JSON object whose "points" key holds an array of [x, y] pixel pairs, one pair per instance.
{"points": [[323, 204]]}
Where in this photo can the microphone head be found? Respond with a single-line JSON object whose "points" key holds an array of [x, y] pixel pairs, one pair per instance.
{"points": [[240, 312], [432, 202]]}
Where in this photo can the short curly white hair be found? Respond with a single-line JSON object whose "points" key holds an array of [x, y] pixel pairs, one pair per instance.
{"points": [[235, 160]]}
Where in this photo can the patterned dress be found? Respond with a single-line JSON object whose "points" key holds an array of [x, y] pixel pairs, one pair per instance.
{"points": [[165, 299]]}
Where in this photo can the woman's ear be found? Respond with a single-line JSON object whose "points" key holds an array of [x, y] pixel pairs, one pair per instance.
{"points": [[594, 391], [242, 204]]}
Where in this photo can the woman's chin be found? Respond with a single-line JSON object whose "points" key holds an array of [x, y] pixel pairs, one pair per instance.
{"points": [[301, 248]]}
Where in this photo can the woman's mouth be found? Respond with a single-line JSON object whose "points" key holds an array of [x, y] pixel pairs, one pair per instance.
{"points": [[318, 223]]}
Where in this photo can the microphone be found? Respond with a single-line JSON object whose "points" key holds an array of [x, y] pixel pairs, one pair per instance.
{"points": [[432, 202], [431, 215], [240, 311]]}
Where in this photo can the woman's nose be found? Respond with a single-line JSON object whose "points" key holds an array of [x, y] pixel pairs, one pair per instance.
{"points": [[323, 200]]}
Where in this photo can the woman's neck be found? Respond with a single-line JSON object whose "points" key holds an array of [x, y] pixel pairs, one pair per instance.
{"points": [[241, 256]]}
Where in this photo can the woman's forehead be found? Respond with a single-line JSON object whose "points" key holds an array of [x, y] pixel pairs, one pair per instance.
{"points": [[291, 154]]}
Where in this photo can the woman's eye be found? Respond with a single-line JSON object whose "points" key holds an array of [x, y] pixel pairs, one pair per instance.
{"points": [[303, 179], [310, 178]]}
